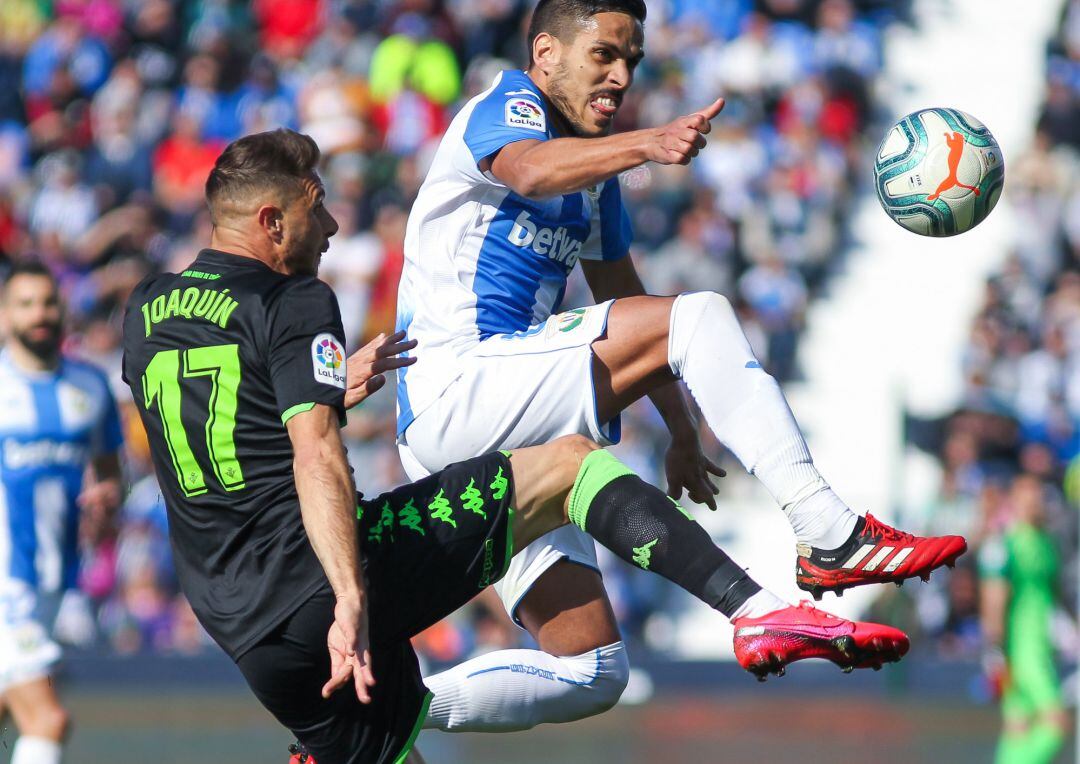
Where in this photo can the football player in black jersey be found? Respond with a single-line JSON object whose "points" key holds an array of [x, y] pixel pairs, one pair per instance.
{"points": [[237, 366]]}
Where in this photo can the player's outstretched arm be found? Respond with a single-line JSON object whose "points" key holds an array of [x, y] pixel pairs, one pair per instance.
{"points": [[367, 367], [327, 496], [540, 169]]}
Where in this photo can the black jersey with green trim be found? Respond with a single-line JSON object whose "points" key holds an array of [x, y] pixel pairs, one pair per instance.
{"points": [[218, 358]]}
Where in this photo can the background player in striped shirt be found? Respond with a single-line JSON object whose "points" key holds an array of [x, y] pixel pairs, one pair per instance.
{"points": [[59, 472]]}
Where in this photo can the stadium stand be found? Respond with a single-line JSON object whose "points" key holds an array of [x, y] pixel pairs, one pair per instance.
{"points": [[111, 113]]}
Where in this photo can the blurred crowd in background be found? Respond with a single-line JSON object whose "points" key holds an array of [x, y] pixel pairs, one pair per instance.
{"points": [[1010, 454], [112, 112]]}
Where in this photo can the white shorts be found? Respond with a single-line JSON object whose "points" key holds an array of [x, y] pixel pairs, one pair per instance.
{"points": [[26, 650], [519, 390]]}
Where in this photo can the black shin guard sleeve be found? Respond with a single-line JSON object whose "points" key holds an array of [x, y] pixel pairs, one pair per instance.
{"points": [[640, 524]]}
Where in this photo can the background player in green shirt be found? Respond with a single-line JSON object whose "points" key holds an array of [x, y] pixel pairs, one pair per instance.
{"points": [[1019, 594]]}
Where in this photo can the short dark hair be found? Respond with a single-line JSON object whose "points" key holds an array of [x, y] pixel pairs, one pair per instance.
{"points": [[28, 268], [277, 160], [557, 17]]}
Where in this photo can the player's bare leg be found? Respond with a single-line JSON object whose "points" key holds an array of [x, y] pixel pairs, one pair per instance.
{"points": [[651, 341], [567, 611], [41, 720], [581, 668]]}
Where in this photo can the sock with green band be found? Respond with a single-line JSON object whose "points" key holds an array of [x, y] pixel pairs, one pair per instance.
{"points": [[643, 526]]}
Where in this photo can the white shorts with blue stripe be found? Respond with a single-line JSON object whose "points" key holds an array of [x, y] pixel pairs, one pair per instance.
{"points": [[519, 390], [26, 650]]}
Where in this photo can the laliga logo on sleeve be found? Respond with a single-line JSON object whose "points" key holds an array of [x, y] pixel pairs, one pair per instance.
{"points": [[521, 112], [328, 360]]}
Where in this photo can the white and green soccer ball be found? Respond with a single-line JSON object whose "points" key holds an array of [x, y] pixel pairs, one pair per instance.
{"points": [[938, 172]]}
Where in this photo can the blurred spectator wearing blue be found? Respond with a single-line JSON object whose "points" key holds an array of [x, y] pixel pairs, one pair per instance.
{"points": [[1010, 456], [111, 113]]}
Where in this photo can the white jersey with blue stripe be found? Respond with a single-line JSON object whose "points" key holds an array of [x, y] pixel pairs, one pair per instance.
{"points": [[481, 260], [51, 425]]}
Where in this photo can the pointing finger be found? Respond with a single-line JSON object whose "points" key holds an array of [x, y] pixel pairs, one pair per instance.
{"points": [[710, 111]]}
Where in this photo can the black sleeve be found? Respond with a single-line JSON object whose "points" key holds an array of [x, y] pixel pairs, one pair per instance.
{"points": [[306, 349]]}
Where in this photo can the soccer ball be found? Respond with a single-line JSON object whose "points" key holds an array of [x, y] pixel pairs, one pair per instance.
{"points": [[938, 172]]}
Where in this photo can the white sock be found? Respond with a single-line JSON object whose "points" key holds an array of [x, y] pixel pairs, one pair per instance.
{"points": [[36, 750], [762, 603], [748, 413], [517, 689]]}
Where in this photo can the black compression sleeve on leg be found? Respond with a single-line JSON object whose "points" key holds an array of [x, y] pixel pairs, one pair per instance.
{"points": [[643, 526]]}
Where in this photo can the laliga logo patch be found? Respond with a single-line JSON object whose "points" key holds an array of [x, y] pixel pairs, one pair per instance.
{"points": [[571, 319], [521, 112], [328, 360], [565, 322]]}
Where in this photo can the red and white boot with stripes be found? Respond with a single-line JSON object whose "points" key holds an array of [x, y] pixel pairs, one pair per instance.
{"points": [[875, 554]]}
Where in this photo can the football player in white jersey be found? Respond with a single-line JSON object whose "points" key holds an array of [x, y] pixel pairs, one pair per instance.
{"points": [[57, 418], [523, 186]]}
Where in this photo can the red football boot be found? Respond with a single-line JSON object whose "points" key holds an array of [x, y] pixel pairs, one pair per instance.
{"points": [[768, 644], [300, 754], [875, 554]]}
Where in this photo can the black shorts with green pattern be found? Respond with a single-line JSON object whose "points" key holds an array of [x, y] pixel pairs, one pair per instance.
{"points": [[428, 548], [431, 546]]}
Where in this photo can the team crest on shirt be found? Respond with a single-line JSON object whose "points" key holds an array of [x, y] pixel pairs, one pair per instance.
{"points": [[328, 360], [523, 112], [566, 322]]}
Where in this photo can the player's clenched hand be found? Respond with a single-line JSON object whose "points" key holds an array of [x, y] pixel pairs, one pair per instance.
{"points": [[367, 365], [350, 655], [688, 467], [98, 501], [680, 141], [100, 497]]}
